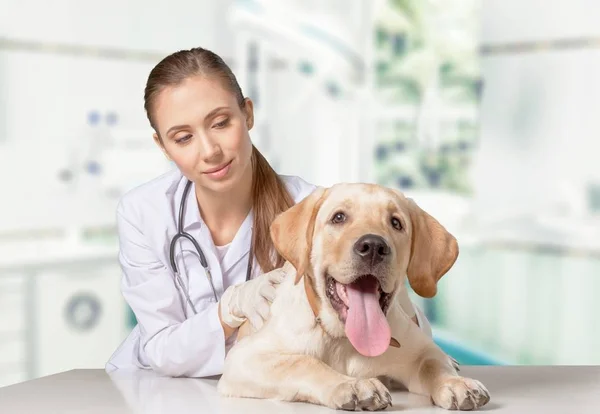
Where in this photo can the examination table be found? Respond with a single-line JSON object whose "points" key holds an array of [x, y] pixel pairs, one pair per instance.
{"points": [[513, 389]]}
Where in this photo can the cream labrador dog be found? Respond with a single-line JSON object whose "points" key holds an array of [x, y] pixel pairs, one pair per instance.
{"points": [[338, 336]]}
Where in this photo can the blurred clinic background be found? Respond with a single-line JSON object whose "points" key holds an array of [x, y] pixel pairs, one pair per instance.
{"points": [[486, 112]]}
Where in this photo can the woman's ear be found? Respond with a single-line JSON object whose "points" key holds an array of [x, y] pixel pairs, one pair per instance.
{"points": [[249, 112]]}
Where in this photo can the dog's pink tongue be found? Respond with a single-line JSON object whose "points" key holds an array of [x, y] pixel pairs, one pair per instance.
{"points": [[366, 325]]}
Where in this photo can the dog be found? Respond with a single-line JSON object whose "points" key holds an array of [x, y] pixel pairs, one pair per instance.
{"points": [[336, 333]]}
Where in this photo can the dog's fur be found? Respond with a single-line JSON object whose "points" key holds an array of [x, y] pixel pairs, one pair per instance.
{"points": [[302, 353]]}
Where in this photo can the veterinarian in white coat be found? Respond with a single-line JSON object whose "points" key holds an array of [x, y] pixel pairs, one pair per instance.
{"points": [[201, 122]]}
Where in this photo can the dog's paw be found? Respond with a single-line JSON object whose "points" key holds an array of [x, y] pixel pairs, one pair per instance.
{"points": [[362, 394], [460, 393]]}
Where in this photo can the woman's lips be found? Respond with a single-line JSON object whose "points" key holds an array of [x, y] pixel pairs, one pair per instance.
{"points": [[219, 172]]}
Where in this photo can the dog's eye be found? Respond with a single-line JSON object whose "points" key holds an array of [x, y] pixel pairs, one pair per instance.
{"points": [[338, 217], [396, 223]]}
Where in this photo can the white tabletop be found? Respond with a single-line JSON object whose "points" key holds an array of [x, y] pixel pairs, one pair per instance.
{"points": [[518, 389]]}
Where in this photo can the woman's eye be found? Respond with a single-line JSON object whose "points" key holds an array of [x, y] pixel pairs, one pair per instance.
{"points": [[183, 139], [222, 124]]}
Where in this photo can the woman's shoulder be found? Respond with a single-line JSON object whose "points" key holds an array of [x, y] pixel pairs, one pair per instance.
{"points": [[298, 187], [151, 194]]}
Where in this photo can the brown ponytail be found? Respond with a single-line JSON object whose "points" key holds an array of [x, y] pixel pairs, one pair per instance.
{"points": [[269, 198], [269, 195]]}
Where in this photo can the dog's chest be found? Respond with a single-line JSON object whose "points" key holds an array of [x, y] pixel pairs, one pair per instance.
{"points": [[342, 357]]}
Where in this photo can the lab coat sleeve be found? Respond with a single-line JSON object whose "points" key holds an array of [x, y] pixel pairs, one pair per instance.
{"points": [[169, 343], [298, 187]]}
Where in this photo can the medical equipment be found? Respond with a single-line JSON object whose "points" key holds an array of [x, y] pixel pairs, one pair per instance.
{"points": [[185, 235]]}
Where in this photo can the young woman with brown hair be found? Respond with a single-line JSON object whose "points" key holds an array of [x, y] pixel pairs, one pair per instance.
{"points": [[195, 249]]}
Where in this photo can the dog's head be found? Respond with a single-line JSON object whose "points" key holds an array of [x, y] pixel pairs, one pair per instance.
{"points": [[357, 243]]}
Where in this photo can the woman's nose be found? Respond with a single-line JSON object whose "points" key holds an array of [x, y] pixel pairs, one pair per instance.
{"points": [[209, 148]]}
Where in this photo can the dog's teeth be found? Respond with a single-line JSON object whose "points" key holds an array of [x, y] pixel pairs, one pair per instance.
{"points": [[342, 294]]}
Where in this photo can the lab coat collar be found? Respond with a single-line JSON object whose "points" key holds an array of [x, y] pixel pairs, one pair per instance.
{"points": [[194, 225], [193, 219]]}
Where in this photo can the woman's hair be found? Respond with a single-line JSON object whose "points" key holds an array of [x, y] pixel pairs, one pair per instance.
{"points": [[269, 195]]}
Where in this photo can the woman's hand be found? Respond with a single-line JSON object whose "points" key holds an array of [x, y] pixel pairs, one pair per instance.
{"points": [[249, 300]]}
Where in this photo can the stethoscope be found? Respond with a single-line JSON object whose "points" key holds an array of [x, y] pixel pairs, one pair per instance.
{"points": [[203, 261]]}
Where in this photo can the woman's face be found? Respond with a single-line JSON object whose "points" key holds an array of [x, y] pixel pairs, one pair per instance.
{"points": [[205, 132]]}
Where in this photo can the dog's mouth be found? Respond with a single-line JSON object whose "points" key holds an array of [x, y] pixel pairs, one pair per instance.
{"points": [[361, 306], [337, 293]]}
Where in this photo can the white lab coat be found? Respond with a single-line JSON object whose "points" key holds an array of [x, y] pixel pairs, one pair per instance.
{"points": [[169, 338]]}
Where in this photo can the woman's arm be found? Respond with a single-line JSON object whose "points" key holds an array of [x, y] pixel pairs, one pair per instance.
{"points": [[170, 344]]}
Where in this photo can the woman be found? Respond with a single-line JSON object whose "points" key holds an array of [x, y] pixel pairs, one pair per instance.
{"points": [[201, 122]]}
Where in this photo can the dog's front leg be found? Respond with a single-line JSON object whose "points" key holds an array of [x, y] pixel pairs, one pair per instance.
{"points": [[437, 376], [424, 368], [302, 378], [432, 373]]}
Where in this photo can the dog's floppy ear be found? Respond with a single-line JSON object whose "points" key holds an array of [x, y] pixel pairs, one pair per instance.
{"points": [[433, 252], [292, 231]]}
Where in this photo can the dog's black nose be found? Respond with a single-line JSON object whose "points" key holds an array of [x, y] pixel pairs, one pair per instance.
{"points": [[371, 248]]}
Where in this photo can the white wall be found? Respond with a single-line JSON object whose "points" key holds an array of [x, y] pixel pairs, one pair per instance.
{"points": [[539, 115], [162, 27], [517, 20], [46, 95]]}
